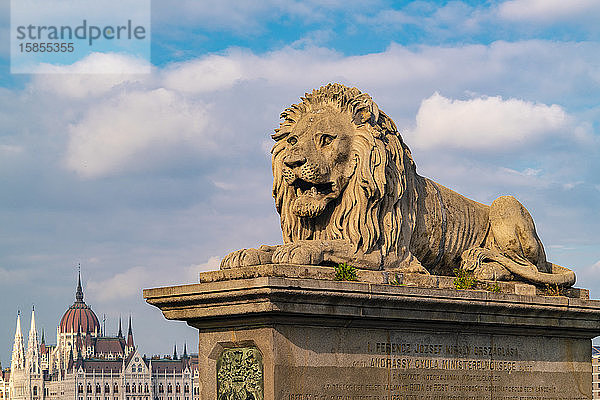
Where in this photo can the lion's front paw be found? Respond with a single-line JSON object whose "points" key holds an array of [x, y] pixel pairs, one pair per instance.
{"points": [[298, 253], [246, 257]]}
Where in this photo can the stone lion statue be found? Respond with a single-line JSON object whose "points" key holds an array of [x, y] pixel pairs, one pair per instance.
{"points": [[347, 190]]}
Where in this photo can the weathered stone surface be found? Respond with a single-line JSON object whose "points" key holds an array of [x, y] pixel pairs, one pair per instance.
{"points": [[323, 339], [347, 190], [384, 277]]}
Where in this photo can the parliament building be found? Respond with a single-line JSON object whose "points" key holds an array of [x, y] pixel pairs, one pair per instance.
{"points": [[85, 364]]}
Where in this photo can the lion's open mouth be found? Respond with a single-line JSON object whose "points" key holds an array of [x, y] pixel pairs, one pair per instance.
{"points": [[304, 188]]}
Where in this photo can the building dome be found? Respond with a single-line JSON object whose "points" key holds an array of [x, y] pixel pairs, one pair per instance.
{"points": [[79, 316]]}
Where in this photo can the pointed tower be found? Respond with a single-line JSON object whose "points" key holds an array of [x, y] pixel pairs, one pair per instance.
{"points": [[17, 384], [175, 351], [44, 364], [18, 353], [120, 334], [33, 347], [185, 354], [79, 292], [130, 345]]}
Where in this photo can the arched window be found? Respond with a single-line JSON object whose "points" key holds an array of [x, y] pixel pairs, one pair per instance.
{"points": [[145, 388], [80, 388], [140, 368], [139, 388], [161, 389], [177, 388], [106, 388], [127, 388], [186, 388], [116, 388], [35, 390], [133, 388], [169, 388], [98, 388], [196, 391], [88, 388]]}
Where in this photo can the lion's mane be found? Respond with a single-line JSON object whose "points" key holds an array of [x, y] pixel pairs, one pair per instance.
{"points": [[376, 211]]}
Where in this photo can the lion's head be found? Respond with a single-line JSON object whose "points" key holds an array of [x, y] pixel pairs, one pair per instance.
{"points": [[339, 169]]}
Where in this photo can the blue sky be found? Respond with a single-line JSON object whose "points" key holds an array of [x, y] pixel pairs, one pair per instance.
{"points": [[148, 179]]}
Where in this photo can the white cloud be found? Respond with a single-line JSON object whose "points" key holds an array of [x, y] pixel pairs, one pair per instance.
{"points": [[94, 75], [547, 10], [134, 130], [531, 172], [192, 271], [485, 123], [204, 75], [99, 63], [589, 273], [121, 286], [129, 284]]}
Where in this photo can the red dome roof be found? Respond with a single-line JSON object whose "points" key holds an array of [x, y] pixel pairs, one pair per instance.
{"points": [[79, 315]]}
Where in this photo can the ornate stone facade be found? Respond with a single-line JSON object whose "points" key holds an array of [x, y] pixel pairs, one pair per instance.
{"points": [[85, 364]]}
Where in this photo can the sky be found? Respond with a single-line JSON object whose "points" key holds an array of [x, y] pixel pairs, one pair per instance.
{"points": [[146, 180]]}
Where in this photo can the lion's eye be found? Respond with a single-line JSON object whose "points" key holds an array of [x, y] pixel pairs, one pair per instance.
{"points": [[292, 140], [326, 139]]}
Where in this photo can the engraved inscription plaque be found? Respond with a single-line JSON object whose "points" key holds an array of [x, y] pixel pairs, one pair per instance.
{"points": [[396, 364], [240, 374]]}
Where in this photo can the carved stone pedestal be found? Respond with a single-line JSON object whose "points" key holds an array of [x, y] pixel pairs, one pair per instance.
{"points": [[293, 333]]}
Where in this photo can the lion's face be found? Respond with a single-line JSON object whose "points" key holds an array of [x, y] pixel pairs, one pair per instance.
{"points": [[317, 160]]}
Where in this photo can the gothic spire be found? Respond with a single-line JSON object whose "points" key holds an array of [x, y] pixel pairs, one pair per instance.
{"points": [[120, 334], [33, 337], [130, 334], [79, 293], [32, 359], [185, 350], [33, 328], [18, 353], [175, 351]]}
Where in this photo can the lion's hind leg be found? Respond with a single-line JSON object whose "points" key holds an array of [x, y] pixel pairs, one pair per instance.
{"points": [[515, 235], [516, 246]]}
